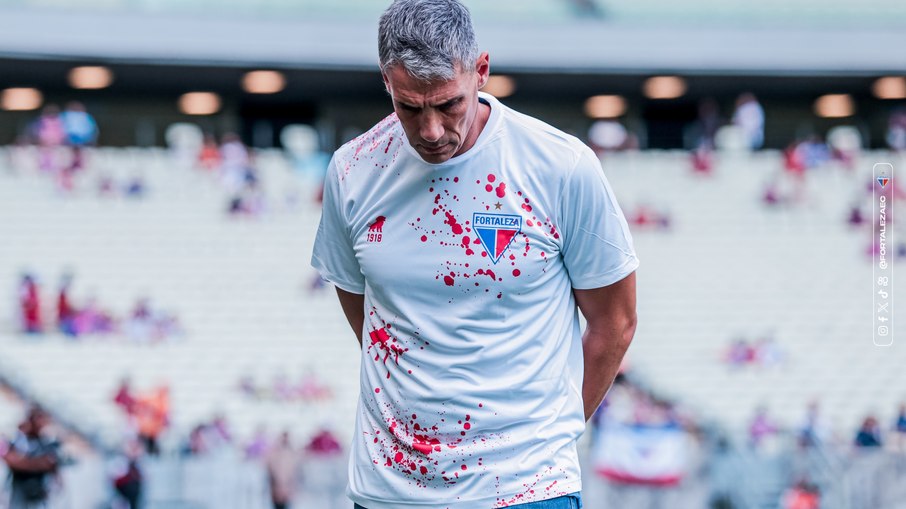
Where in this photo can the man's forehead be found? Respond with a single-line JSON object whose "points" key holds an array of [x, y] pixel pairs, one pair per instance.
{"points": [[407, 89]]}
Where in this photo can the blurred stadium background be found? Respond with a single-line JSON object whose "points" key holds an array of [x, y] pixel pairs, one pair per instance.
{"points": [[159, 303]]}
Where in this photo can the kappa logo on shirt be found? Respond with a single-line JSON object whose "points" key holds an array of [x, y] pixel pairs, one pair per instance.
{"points": [[496, 232], [376, 229]]}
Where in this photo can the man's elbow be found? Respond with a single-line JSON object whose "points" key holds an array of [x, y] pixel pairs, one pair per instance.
{"points": [[629, 324], [616, 335]]}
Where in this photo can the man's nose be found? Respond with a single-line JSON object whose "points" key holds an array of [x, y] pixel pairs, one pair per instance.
{"points": [[431, 130]]}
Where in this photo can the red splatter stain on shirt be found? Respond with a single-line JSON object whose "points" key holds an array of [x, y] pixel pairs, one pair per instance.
{"points": [[424, 238], [516, 272], [491, 177], [489, 188], [501, 190], [487, 272], [448, 281], [454, 225]]}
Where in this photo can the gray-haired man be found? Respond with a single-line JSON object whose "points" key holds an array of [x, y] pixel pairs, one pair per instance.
{"points": [[462, 236]]}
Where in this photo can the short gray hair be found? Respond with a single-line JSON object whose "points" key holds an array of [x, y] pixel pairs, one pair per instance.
{"points": [[429, 38]]}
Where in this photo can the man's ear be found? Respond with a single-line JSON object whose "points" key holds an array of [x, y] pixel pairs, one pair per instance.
{"points": [[483, 68], [386, 83]]}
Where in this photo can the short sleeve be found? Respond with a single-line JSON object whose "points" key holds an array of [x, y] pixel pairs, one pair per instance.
{"points": [[333, 255], [597, 247]]}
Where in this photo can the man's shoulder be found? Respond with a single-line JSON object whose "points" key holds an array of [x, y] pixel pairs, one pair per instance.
{"points": [[530, 130], [382, 140]]}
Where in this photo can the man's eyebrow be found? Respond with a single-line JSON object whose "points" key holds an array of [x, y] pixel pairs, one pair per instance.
{"points": [[407, 105], [447, 103], [450, 102]]}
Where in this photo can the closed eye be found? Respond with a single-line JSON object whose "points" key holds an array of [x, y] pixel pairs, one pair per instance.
{"points": [[449, 105]]}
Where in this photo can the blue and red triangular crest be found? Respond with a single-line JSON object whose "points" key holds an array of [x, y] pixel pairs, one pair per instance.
{"points": [[496, 232], [883, 181]]}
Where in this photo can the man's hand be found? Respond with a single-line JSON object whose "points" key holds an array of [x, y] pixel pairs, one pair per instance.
{"points": [[353, 305], [610, 312]]}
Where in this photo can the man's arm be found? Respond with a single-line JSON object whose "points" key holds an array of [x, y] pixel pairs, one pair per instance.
{"points": [[20, 463], [353, 305], [610, 312]]}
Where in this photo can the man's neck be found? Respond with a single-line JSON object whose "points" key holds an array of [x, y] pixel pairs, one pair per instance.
{"points": [[481, 120]]}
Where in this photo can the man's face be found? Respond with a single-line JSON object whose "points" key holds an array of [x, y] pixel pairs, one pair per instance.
{"points": [[438, 116]]}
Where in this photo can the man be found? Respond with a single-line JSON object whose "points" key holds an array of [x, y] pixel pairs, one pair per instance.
{"points": [[282, 471], [461, 236], [32, 459]]}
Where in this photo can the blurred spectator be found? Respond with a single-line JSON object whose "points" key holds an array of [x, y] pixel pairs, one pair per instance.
{"points": [[249, 201], [146, 325], [81, 130], [106, 186], [739, 353], [702, 160], [30, 304], [648, 217], [804, 495], [209, 158], [79, 125], [324, 443], [814, 151], [234, 158], [762, 353], [813, 431], [749, 116], [139, 326], [66, 313], [135, 187], [33, 459], [761, 428], [91, 319], [258, 446], [702, 132], [896, 130], [610, 136], [220, 431], [899, 428], [856, 217], [127, 475], [50, 133], [153, 417], [309, 389], [282, 469], [124, 398], [768, 353], [869, 434]]}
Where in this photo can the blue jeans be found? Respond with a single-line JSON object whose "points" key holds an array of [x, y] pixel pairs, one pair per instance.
{"points": [[571, 501]]}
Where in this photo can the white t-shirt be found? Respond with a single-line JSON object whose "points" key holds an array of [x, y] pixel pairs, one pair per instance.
{"points": [[471, 372]]}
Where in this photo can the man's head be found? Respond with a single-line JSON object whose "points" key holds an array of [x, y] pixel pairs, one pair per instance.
{"points": [[433, 70], [35, 422]]}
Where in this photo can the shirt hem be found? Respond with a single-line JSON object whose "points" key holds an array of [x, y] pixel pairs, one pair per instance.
{"points": [[481, 503], [608, 278]]}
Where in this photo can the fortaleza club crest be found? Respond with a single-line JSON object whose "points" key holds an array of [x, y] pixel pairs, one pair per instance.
{"points": [[496, 232]]}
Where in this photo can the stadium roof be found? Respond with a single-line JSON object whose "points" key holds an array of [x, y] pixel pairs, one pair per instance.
{"points": [[541, 38]]}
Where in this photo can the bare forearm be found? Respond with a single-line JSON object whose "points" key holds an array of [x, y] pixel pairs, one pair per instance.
{"points": [[23, 464], [603, 351]]}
